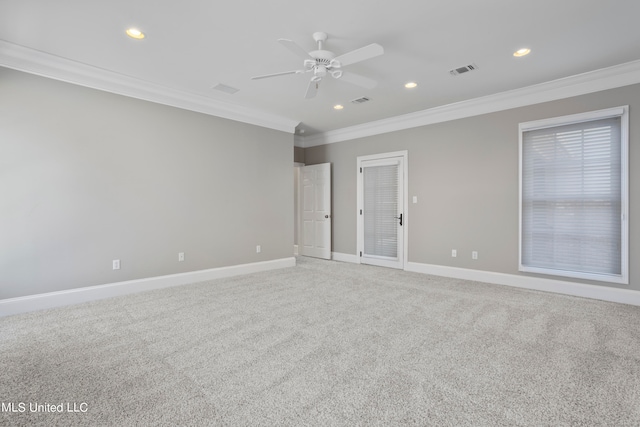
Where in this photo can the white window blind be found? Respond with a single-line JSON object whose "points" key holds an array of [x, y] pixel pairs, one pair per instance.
{"points": [[571, 195], [380, 193]]}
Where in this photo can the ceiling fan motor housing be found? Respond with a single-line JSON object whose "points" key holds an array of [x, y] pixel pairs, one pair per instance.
{"points": [[323, 56], [324, 62]]}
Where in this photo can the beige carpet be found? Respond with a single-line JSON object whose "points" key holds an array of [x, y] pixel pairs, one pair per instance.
{"points": [[323, 344]]}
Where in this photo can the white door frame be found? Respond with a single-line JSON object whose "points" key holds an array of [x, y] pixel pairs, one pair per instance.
{"points": [[405, 208]]}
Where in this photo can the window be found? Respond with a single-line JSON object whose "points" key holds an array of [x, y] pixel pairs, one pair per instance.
{"points": [[573, 196]]}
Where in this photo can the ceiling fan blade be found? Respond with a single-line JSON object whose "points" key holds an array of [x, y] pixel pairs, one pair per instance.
{"points": [[277, 74], [312, 89], [295, 48], [358, 80], [361, 54]]}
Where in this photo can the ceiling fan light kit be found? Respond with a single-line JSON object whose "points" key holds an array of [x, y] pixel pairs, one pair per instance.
{"points": [[321, 62]]}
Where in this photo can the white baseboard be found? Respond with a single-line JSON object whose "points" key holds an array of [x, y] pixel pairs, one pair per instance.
{"points": [[29, 303], [337, 256], [624, 296], [295, 250]]}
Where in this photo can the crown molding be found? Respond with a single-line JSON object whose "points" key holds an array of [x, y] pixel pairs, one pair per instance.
{"points": [[298, 141], [43, 64], [40, 63], [580, 84]]}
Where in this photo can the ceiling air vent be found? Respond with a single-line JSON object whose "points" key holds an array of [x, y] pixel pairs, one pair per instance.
{"points": [[462, 70], [226, 89], [360, 100]]}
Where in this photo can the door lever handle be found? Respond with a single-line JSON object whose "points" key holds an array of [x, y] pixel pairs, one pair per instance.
{"points": [[400, 218]]}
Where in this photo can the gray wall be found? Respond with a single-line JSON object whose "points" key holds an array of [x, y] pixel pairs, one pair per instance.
{"points": [[298, 154], [87, 177], [465, 175]]}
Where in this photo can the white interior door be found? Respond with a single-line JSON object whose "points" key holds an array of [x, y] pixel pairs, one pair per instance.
{"points": [[381, 211], [316, 210]]}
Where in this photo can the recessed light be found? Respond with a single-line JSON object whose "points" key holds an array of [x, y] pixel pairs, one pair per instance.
{"points": [[522, 52], [135, 33], [411, 85], [338, 107]]}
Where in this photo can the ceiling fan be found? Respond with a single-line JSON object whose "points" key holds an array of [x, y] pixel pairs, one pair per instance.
{"points": [[321, 62]]}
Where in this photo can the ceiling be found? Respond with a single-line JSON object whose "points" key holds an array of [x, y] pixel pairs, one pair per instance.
{"points": [[192, 46]]}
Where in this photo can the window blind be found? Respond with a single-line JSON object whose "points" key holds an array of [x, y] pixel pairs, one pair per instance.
{"points": [[572, 197], [380, 193]]}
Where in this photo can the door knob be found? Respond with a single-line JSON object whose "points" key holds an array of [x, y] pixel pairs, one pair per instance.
{"points": [[400, 218]]}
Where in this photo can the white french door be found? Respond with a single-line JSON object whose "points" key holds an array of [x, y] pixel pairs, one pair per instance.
{"points": [[381, 209], [316, 210]]}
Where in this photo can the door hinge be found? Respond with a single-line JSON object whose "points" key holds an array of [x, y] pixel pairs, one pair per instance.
{"points": [[360, 211], [360, 170], [360, 253]]}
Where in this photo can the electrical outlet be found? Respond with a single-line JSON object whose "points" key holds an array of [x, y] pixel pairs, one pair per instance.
{"points": [[258, 249], [116, 264], [180, 256], [454, 253], [474, 255]]}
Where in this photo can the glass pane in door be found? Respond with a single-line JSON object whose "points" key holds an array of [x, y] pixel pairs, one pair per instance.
{"points": [[380, 192]]}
